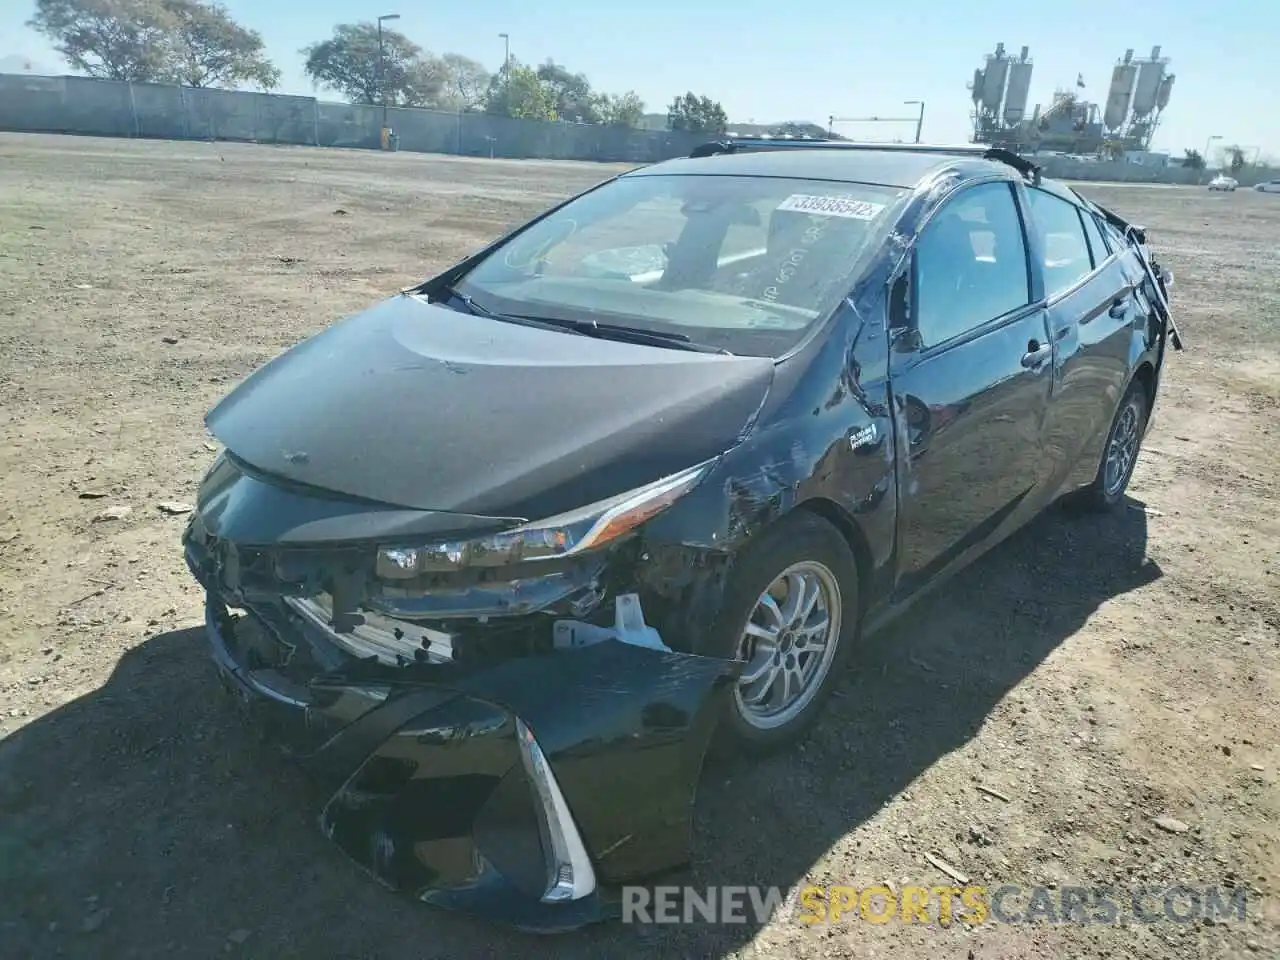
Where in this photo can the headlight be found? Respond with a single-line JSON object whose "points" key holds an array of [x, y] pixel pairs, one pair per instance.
{"points": [[560, 536]]}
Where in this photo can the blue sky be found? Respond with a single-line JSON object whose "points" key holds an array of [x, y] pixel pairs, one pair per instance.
{"points": [[807, 59]]}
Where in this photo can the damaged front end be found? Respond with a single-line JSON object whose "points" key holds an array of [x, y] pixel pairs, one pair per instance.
{"points": [[484, 711]]}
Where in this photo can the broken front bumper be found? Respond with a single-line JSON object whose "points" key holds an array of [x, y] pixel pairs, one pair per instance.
{"points": [[529, 791]]}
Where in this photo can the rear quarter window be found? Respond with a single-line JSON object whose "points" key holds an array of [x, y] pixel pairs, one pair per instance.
{"points": [[1098, 245]]}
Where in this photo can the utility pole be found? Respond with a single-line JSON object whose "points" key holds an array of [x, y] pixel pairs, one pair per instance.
{"points": [[920, 118], [382, 76], [506, 63]]}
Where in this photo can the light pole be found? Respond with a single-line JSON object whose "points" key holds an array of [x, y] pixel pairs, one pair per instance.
{"points": [[920, 118], [506, 63], [382, 69]]}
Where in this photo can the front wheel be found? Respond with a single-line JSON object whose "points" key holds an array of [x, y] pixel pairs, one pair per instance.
{"points": [[790, 613], [1120, 455]]}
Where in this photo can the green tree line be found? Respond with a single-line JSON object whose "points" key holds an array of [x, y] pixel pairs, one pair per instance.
{"points": [[196, 43]]}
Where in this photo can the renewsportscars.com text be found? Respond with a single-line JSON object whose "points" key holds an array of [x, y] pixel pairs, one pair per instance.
{"points": [[972, 904]]}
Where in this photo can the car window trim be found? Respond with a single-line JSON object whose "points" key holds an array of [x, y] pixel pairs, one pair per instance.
{"points": [[1051, 299], [1106, 249], [1101, 224], [994, 323], [1016, 315]]}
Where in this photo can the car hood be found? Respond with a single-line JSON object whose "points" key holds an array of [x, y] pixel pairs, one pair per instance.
{"points": [[421, 406]]}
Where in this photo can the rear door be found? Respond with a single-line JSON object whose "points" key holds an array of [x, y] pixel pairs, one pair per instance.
{"points": [[1092, 310], [970, 372]]}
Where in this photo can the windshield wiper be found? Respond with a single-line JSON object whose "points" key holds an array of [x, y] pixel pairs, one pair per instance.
{"points": [[479, 311], [590, 328], [626, 334]]}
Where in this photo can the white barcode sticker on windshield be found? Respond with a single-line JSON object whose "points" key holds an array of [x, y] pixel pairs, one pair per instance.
{"points": [[831, 206]]}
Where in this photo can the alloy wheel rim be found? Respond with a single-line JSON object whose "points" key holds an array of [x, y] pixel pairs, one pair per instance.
{"points": [[1122, 449], [788, 643]]}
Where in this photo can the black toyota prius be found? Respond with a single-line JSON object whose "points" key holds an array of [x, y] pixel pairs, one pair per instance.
{"points": [[514, 546]]}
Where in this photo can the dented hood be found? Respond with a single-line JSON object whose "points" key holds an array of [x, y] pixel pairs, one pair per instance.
{"points": [[421, 406]]}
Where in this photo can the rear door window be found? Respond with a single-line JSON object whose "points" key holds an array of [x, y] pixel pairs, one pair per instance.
{"points": [[1063, 246]]}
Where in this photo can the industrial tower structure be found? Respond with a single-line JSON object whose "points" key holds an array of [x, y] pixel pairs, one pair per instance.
{"points": [[1137, 97]]}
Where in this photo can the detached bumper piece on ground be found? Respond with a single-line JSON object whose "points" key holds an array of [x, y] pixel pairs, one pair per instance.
{"points": [[527, 792]]}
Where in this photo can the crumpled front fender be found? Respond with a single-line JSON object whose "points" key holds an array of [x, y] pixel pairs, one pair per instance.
{"points": [[531, 791]]}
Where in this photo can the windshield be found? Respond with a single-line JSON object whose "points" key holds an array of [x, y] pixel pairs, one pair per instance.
{"points": [[744, 264]]}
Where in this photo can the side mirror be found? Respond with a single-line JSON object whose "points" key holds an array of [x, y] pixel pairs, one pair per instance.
{"points": [[1166, 277], [903, 336], [899, 304]]}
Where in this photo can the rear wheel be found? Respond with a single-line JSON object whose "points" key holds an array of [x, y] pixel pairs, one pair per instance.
{"points": [[1120, 455], [790, 613]]}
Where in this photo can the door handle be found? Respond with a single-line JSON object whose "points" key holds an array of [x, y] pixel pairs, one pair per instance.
{"points": [[1119, 307], [1036, 354]]}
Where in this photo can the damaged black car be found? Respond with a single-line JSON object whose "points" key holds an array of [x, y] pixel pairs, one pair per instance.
{"points": [[512, 549]]}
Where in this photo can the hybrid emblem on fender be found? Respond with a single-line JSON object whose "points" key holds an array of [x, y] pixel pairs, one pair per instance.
{"points": [[866, 437]]}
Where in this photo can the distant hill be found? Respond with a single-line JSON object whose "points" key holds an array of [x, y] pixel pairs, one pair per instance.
{"points": [[16, 64]]}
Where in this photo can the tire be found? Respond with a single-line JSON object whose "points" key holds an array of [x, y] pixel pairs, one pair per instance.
{"points": [[1112, 480], [802, 544]]}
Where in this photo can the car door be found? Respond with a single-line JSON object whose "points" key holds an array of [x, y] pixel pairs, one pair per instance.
{"points": [[970, 369], [1091, 307]]}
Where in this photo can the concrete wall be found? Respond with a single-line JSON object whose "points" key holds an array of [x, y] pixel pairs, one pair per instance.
{"points": [[107, 108], [1119, 172]]}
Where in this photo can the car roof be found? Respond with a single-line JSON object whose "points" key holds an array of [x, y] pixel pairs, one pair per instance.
{"points": [[889, 168]]}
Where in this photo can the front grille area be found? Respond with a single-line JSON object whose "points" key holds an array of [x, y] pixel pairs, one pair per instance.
{"points": [[391, 641]]}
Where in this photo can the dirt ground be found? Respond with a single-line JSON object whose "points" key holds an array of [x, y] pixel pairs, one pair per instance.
{"points": [[1095, 673]]}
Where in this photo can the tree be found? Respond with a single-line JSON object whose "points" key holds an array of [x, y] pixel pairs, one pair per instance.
{"points": [[799, 128], [620, 110], [465, 82], [190, 42], [424, 83], [1192, 160], [1237, 160], [110, 39], [516, 91], [349, 63], [210, 49], [571, 95], [696, 114]]}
